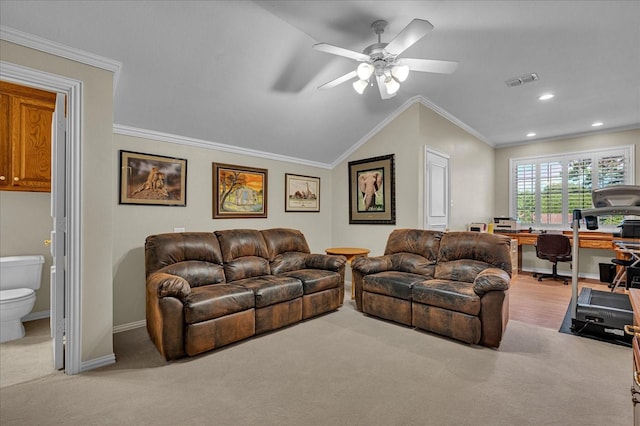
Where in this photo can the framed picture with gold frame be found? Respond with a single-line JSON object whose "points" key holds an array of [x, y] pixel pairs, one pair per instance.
{"points": [[153, 180], [372, 191], [302, 193], [239, 192]]}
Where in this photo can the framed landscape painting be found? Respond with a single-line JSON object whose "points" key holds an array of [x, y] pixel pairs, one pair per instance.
{"points": [[153, 180], [372, 191], [302, 193], [239, 192]]}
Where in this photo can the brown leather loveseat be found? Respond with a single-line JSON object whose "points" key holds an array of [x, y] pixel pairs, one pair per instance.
{"points": [[208, 289], [450, 283]]}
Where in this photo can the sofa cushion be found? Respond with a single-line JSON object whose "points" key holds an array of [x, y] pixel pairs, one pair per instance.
{"points": [[315, 280], [451, 295], [283, 240], [391, 283], [270, 289], [285, 262], [196, 272], [413, 263], [464, 270], [492, 249], [423, 242], [246, 267], [235, 243], [166, 249], [217, 300]]}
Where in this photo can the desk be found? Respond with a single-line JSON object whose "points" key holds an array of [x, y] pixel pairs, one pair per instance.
{"points": [[593, 240], [627, 249], [349, 253], [634, 296]]}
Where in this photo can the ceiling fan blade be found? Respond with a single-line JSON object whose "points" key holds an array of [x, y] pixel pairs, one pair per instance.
{"points": [[429, 65], [413, 32], [335, 50], [383, 88], [339, 80]]}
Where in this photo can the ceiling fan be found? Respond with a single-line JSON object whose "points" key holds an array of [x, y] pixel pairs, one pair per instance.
{"points": [[381, 60]]}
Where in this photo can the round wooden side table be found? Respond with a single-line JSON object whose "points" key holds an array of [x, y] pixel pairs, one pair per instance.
{"points": [[350, 253]]}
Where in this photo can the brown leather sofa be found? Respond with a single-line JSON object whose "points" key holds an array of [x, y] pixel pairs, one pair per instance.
{"points": [[208, 289], [450, 283]]}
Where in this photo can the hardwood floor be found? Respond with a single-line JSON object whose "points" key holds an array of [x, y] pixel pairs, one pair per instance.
{"points": [[545, 302]]}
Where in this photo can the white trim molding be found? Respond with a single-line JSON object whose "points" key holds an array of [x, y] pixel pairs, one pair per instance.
{"points": [[199, 143], [73, 194], [33, 316], [129, 326], [38, 43], [92, 364], [402, 108]]}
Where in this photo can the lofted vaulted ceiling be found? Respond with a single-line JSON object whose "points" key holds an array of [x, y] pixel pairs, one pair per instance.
{"points": [[243, 73]]}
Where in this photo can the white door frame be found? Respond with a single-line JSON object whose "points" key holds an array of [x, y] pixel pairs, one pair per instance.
{"points": [[72, 89]]}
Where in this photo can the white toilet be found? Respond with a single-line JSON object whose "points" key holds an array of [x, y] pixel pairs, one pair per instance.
{"points": [[19, 280]]}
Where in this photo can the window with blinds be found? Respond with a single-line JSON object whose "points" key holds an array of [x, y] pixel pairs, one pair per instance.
{"points": [[546, 190]]}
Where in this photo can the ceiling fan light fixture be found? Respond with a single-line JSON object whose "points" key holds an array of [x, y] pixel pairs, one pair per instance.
{"points": [[364, 71], [392, 85], [400, 72], [360, 85]]}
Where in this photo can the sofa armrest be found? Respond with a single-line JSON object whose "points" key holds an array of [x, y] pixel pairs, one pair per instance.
{"points": [[325, 261], [491, 279], [167, 285], [372, 265]]}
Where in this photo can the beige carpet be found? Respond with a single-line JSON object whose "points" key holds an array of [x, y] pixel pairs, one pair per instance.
{"points": [[28, 358], [343, 368]]}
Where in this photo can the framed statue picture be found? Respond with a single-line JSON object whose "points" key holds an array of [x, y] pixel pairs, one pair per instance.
{"points": [[302, 193], [372, 191], [153, 180], [239, 192]]}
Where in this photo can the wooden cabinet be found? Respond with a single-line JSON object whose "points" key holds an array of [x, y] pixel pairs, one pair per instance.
{"points": [[26, 116]]}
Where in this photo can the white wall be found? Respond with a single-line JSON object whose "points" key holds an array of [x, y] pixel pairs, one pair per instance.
{"points": [[133, 223], [471, 170], [589, 258], [25, 222]]}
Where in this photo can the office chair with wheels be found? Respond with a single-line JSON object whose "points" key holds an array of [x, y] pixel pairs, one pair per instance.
{"points": [[554, 248]]}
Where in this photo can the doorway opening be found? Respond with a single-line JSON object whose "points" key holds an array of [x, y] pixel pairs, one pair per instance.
{"points": [[68, 196]]}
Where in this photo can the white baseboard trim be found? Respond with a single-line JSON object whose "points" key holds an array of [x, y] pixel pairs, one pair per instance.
{"points": [[36, 316], [129, 326], [98, 362]]}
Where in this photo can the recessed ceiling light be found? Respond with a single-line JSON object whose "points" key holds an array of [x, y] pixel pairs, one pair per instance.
{"points": [[597, 124], [530, 134], [546, 96]]}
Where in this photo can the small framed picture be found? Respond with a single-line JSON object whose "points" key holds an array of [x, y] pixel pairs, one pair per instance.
{"points": [[153, 180], [372, 191], [302, 193], [239, 192]]}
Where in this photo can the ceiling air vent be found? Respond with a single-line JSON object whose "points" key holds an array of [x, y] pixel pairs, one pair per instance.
{"points": [[519, 81]]}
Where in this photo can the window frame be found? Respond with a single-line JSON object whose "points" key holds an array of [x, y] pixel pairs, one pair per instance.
{"points": [[627, 151]]}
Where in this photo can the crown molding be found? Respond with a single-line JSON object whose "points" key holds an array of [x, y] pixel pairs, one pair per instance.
{"points": [[402, 108], [199, 143], [47, 46], [445, 114], [570, 136]]}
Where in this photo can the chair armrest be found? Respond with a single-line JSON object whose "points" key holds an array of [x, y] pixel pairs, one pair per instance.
{"points": [[325, 261], [372, 265], [167, 285], [491, 279]]}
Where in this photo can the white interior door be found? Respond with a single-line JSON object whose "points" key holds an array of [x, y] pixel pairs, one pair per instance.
{"points": [[436, 199], [58, 234]]}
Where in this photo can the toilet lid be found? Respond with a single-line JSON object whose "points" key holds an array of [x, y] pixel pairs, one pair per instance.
{"points": [[15, 294]]}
